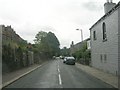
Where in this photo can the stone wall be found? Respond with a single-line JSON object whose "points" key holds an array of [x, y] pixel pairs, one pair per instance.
{"points": [[8, 34], [15, 50]]}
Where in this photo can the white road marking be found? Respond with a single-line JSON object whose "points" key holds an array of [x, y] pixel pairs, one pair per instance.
{"points": [[58, 70], [60, 81]]}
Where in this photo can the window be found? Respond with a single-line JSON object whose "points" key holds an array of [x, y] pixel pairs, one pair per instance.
{"points": [[105, 58], [101, 58], [94, 35], [104, 32]]}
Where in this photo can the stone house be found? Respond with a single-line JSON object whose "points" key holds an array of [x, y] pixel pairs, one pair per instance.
{"points": [[78, 46]]}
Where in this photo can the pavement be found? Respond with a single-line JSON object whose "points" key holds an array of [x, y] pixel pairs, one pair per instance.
{"points": [[47, 73], [106, 77], [9, 78]]}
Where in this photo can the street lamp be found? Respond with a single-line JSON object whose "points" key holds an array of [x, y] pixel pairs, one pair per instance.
{"points": [[82, 44], [81, 34]]}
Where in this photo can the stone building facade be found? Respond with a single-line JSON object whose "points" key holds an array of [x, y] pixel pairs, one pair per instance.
{"points": [[78, 46], [9, 35], [16, 52]]}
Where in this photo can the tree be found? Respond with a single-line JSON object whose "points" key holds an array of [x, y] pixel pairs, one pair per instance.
{"points": [[47, 43], [83, 55], [39, 37], [65, 51], [53, 44]]}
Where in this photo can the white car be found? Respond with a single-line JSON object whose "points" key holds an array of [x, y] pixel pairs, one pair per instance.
{"points": [[64, 60]]}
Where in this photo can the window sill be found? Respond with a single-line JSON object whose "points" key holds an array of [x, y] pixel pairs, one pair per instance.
{"points": [[104, 40], [94, 39]]}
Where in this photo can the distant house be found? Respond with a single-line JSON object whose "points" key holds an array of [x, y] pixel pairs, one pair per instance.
{"points": [[78, 46], [88, 44], [105, 37]]}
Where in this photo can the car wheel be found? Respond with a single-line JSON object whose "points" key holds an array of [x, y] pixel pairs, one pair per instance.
{"points": [[74, 64]]}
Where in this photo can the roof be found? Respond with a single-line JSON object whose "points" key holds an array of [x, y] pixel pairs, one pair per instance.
{"points": [[107, 14], [83, 41]]}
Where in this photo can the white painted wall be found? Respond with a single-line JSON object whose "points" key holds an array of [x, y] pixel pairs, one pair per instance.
{"points": [[88, 44], [110, 47]]}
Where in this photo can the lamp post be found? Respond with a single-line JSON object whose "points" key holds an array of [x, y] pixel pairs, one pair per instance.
{"points": [[81, 34], [82, 44]]}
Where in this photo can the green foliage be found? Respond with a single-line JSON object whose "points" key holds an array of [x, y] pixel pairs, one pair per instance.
{"points": [[65, 51], [8, 56], [12, 55], [83, 54], [47, 43], [39, 37], [84, 48]]}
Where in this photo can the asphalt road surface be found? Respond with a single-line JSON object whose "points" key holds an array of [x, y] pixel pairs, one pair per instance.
{"points": [[56, 74]]}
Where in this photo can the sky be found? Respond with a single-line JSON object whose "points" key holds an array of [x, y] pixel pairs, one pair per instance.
{"points": [[62, 17]]}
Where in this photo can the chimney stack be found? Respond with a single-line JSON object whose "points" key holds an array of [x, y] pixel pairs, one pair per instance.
{"points": [[108, 6]]}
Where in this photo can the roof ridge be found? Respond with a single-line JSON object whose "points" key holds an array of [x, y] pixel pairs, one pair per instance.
{"points": [[108, 13]]}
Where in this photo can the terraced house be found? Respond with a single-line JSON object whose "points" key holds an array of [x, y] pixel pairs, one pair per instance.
{"points": [[105, 37]]}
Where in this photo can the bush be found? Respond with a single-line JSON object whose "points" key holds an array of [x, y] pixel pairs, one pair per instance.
{"points": [[83, 55]]}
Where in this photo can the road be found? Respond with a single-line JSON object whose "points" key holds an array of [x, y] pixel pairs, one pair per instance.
{"points": [[56, 74]]}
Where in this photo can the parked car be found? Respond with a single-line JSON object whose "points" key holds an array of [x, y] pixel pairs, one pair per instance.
{"points": [[64, 60], [69, 60], [61, 57], [57, 58], [54, 57]]}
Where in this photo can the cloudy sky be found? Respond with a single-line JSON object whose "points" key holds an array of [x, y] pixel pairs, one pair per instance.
{"points": [[61, 17]]}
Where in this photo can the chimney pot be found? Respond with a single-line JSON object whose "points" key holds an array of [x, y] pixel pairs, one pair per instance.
{"points": [[108, 6]]}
